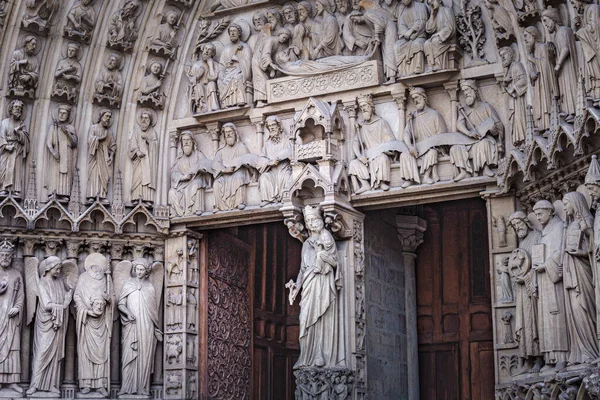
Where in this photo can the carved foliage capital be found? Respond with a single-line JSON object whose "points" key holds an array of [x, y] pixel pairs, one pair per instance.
{"points": [[410, 231], [28, 246], [73, 247]]}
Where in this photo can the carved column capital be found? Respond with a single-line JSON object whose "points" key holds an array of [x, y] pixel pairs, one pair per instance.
{"points": [[139, 249], [96, 246], [51, 246], [400, 99], [452, 90], [174, 138], [159, 253], [73, 247], [28, 247], [116, 250], [410, 232], [214, 130]]}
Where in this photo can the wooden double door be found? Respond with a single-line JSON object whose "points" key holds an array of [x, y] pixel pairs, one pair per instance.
{"points": [[250, 341], [456, 357]]}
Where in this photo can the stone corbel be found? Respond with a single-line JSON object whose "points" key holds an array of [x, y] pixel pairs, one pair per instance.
{"points": [[411, 229]]}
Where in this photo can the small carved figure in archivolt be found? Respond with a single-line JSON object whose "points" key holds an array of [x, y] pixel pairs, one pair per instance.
{"points": [[44, 11], [95, 303], [164, 42], [68, 75], [50, 286], [138, 288], [122, 26], [150, 93], [12, 309], [109, 85], [81, 21], [61, 143], [24, 70]]}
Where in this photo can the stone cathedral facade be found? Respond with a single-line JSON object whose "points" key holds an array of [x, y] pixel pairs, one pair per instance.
{"points": [[317, 199]]}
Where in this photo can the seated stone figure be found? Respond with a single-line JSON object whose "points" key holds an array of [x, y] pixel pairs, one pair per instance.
{"points": [[368, 166], [235, 78], [81, 21], [412, 17], [478, 120], [190, 173], [441, 27], [422, 124], [109, 85], [164, 41]]}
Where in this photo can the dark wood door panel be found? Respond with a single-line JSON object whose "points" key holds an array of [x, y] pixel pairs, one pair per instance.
{"points": [[454, 305]]}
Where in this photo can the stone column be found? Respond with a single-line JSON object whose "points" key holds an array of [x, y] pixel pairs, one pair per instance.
{"points": [[214, 129], [73, 247], [116, 256], [400, 98], [410, 233], [452, 89], [352, 109], [259, 124]]}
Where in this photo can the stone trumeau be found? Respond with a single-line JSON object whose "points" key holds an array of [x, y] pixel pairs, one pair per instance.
{"points": [[134, 132]]}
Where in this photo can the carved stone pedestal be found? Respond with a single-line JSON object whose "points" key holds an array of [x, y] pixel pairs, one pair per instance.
{"points": [[7, 393], [313, 383]]}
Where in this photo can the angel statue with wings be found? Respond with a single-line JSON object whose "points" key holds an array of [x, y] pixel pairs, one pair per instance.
{"points": [[95, 301], [138, 287], [49, 283]]}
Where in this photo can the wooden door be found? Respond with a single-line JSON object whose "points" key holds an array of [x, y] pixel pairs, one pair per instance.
{"points": [[226, 340], [456, 358], [276, 324]]}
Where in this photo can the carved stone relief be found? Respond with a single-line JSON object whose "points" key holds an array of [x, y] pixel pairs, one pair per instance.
{"points": [[109, 84], [61, 145], [123, 27], [24, 69], [14, 147], [81, 21], [150, 89], [101, 150], [40, 15], [68, 75], [143, 153]]}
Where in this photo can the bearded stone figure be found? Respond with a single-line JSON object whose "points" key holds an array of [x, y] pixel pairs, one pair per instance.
{"points": [[12, 308], [519, 266], [578, 277], [101, 150], [53, 289], [190, 173], [231, 170], [109, 85], [95, 302], [61, 143], [478, 120], [24, 71], [14, 147], [371, 169], [143, 153], [235, 78], [423, 123], [275, 170], [319, 280], [138, 301], [548, 265], [122, 26], [81, 21]]}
